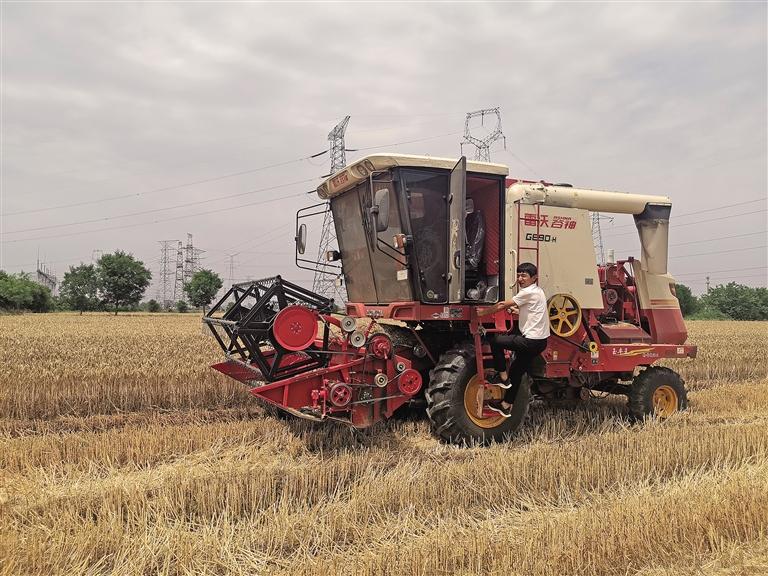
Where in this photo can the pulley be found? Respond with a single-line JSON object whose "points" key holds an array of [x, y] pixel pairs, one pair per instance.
{"points": [[409, 382], [564, 315], [340, 394], [381, 380], [610, 296], [357, 339], [348, 324], [380, 346], [295, 328]]}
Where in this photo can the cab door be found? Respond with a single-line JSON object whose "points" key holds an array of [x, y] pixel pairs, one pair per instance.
{"points": [[457, 200]]}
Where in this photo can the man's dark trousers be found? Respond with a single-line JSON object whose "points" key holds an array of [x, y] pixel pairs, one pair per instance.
{"points": [[525, 349]]}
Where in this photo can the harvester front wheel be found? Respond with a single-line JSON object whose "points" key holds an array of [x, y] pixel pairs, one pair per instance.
{"points": [[657, 392], [454, 401]]}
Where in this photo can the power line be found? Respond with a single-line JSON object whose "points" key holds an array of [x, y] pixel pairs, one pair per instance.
{"points": [[379, 146], [300, 194], [704, 240], [218, 178], [523, 162], [167, 188], [701, 221], [719, 252], [719, 271], [254, 239], [729, 277], [702, 211], [155, 210]]}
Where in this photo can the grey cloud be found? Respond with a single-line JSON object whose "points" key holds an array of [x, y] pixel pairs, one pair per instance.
{"points": [[106, 99]]}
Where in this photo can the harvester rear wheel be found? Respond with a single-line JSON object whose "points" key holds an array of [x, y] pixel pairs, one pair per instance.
{"points": [[657, 392], [452, 401]]}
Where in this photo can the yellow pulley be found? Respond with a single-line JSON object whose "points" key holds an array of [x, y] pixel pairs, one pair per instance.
{"points": [[564, 315]]}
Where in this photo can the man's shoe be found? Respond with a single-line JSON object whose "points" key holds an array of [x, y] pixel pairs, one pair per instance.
{"points": [[497, 381], [496, 406]]}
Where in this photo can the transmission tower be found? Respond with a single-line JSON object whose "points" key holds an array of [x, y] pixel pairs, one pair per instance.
{"points": [[483, 145], [190, 259], [597, 236], [167, 273], [178, 284], [232, 267], [45, 277], [325, 284]]}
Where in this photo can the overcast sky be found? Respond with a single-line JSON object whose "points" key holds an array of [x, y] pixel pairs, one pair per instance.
{"points": [[137, 107]]}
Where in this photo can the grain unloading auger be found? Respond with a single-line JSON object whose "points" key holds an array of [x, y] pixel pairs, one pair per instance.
{"points": [[424, 245]]}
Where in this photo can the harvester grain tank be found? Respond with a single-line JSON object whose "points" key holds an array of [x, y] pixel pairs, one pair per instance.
{"points": [[424, 245]]}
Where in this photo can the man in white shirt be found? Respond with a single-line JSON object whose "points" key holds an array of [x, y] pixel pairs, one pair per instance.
{"points": [[530, 304]]}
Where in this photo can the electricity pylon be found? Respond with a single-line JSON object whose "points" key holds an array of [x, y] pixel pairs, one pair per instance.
{"points": [[323, 283], [483, 145]]}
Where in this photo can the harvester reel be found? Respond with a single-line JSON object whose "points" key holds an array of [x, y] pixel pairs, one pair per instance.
{"points": [[564, 315]]}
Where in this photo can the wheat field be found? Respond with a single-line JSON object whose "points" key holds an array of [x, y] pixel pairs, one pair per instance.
{"points": [[122, 453]]}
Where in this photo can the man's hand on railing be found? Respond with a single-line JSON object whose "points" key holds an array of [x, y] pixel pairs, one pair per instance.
{"points": [[498, 307]]}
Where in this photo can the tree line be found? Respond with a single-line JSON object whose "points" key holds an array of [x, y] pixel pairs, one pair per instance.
{"points": [[118, 281], [729, 302], [115, 282]]}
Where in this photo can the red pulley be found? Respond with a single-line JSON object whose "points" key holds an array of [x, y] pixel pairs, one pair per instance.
{"points": [[295, 328], [380, 346], [409, 382], [340, 394]]}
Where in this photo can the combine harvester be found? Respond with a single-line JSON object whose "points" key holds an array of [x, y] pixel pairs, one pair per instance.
{"points": [[424, 245]]}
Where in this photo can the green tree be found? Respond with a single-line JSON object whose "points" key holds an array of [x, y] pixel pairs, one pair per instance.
{"points": [[202, 287], [181, 306], [689, 304], [79, 289], [122, 279], [19, 292], [738, 301], [153, 306]]}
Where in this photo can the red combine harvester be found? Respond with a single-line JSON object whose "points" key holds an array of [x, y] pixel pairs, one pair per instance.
{"points": [[424, 245]]}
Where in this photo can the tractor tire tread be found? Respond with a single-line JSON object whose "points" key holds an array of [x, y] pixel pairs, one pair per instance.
{"points": [[454, 369], [643, 385]]}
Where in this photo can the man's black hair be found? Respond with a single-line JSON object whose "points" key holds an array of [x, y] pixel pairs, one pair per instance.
{"points": [[529, 268]]}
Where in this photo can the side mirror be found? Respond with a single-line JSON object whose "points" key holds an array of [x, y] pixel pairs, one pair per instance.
{"points": [[301, 239], [380, 209]]}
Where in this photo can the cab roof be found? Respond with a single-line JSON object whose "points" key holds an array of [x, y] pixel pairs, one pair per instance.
{"points": [[358, 171]]}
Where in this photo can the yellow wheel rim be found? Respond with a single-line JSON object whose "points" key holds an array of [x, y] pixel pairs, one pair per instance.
{"points": [[664, 401], [475, 395], [564, 315]]}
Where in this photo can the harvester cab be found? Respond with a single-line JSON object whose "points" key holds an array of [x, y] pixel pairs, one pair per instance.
{"points": [[424, 245]]}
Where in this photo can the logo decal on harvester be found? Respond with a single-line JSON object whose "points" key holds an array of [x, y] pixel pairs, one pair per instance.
{"points": [[540, 237], [635, 352], [559, 222]]}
